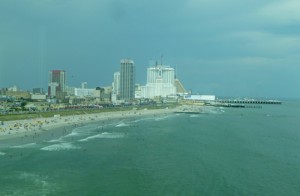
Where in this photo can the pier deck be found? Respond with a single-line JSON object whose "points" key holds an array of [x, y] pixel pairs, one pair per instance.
{"points": [[237, 101]]}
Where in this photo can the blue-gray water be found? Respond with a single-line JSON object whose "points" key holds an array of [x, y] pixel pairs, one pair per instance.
{"points": [[227, 151]]}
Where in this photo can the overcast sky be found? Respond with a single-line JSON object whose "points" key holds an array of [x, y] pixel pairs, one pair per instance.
{"points": [[223, 47]]}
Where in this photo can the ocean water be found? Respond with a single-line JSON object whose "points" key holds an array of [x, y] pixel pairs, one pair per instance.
{"points": [[225, 151]]}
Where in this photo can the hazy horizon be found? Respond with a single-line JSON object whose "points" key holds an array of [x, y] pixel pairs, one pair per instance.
{"points": [[232, 48]]}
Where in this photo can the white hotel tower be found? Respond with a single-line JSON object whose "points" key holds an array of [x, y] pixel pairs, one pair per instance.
{"points": [[160, 82]]}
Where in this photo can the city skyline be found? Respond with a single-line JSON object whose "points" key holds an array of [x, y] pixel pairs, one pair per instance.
{"points": [[230, 48]]}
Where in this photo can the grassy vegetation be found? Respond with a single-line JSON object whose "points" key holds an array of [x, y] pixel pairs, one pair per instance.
{"points": [[48, 114], [10, 117]]}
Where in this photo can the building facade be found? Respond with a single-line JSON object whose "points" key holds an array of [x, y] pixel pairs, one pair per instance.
{"points": [[127, 80], [84, 92], [84, 85], [52, 89], [116, 84], [57, 83], [160, 82], [37, 91]]}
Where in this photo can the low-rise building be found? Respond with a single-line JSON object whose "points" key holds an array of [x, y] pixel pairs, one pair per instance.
{"points": [[200, 97], [38, 97], [19, 94], [84, 92]]}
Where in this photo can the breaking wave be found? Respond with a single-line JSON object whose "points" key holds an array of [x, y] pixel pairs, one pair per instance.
{"points": [[123, 125], [61, 146], [104, 135], [56, 140], [24, 145]]}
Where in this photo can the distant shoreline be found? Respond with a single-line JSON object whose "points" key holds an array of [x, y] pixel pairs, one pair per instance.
{"points": [[12, 129]]}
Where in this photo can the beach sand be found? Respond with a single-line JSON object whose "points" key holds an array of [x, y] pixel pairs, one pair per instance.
{"points": [[11, 129]]}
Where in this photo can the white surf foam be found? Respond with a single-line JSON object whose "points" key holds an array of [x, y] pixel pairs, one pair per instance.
{"points": [[61, 146], [194, 116], [123, 125], [2, 153], [25, 145], [56, 140], [85, 130], [104, 135], [72, 134]]}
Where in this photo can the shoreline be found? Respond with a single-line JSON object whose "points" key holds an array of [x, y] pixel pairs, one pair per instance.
{"points": [[13, 129]]}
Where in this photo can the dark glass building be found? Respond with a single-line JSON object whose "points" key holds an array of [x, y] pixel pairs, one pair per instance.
{"points": [[127, 80]]}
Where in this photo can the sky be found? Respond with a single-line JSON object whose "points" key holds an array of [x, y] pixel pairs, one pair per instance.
{"points": [[235, 48]]}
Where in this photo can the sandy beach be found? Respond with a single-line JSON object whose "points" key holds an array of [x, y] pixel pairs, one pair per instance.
{"points": [[29, 126]]}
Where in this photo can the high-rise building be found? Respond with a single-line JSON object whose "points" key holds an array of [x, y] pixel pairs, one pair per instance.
{"points": [[116, 84], [84, 85], [52, 89], [57, 83], [160, 82], [127, 80]]}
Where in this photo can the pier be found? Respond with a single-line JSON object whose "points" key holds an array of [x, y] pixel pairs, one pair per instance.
{"points": [[245, 101], [228, 105]]}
